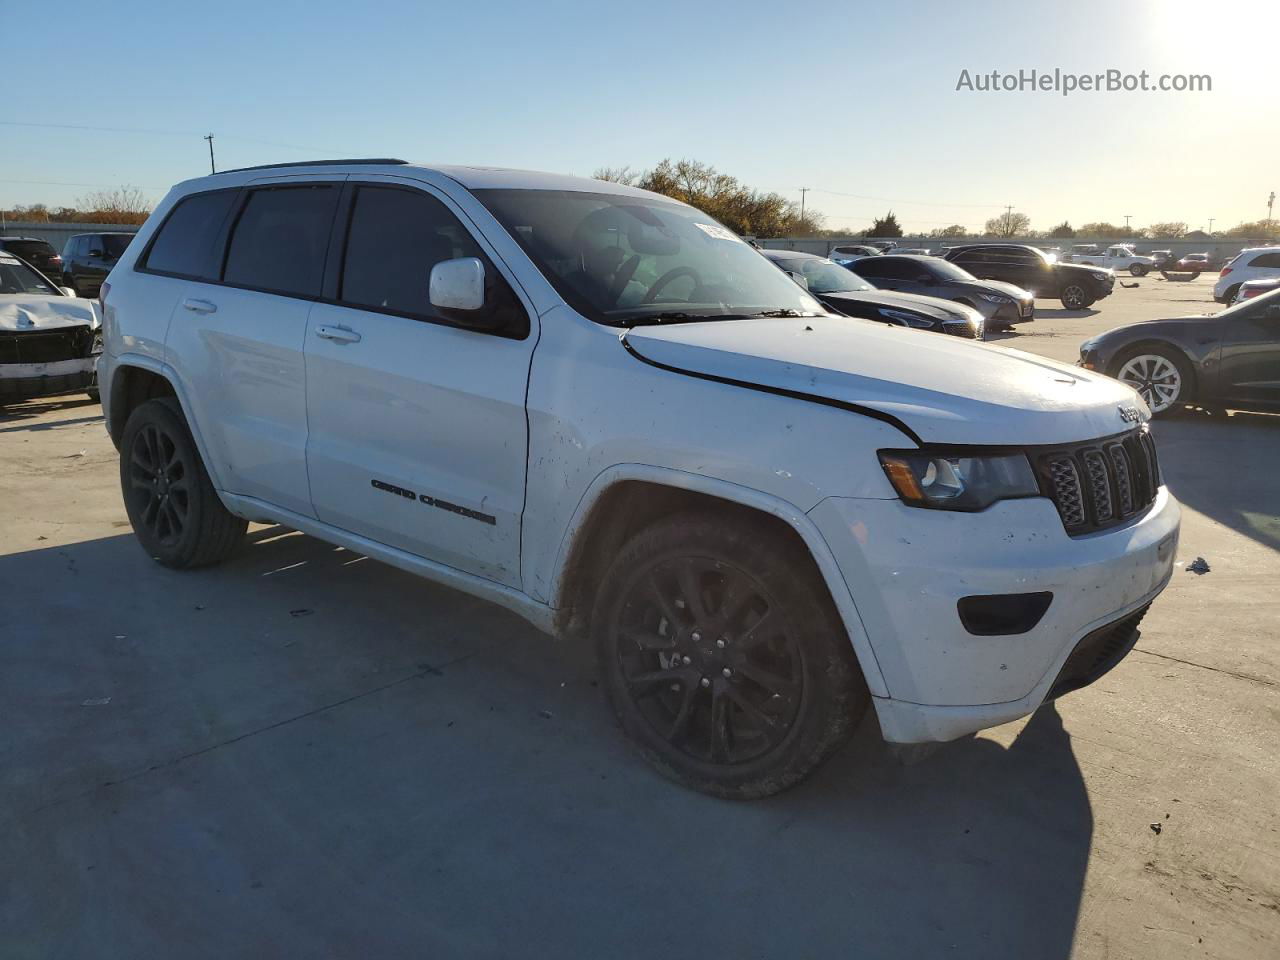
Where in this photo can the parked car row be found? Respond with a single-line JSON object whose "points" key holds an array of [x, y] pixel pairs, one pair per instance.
{"points": [[1255, 263]]}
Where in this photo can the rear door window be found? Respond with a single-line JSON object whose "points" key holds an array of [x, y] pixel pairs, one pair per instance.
{"points": [[1266, 260], [184, 244], [280, 239]]}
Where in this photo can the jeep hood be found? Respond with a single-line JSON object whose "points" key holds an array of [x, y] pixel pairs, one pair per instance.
{"points": [[943, 389], [25, 311]]}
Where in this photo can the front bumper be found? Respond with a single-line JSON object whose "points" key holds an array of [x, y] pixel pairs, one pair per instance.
{"points": [[1011, 313], [908, 568], [26, 381]]}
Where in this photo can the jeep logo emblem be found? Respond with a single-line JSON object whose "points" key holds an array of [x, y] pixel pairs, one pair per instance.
{"points": [[1129, 414]]}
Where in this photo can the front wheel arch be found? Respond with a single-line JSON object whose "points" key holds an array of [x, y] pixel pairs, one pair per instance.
{"points": [[625, 498]]}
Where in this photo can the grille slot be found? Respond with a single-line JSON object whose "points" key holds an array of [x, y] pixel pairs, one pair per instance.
{"points": [[1066, 491], [1102, 483]]}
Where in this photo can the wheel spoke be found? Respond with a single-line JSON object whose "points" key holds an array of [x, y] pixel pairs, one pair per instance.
{"points": [[647, 639], [659, 596], [770, 681], [766, 724], [759, 631], [734, 597], [687, 575], [680, 724], [646, 684], [719, 733]]}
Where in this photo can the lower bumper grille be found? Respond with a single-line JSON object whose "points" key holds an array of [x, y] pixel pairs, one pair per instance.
{"points": [[1097, 654]]}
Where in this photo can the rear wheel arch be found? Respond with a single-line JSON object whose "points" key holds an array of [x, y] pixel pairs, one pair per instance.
{"points": [[132, 386], [626, 506]]}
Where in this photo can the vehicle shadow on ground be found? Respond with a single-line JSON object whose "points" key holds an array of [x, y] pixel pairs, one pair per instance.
{"points": [[306, 752], [19, 412], [1224, 466]]}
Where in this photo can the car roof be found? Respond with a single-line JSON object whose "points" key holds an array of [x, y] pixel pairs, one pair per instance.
{"points": [[471, 177], [29, 239], [790, 255], [103, 233]]}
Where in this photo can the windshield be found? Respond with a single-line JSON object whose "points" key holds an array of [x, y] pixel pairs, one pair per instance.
{"points": [[824, 276], [621, 260], [114, 245], [17, 277]]}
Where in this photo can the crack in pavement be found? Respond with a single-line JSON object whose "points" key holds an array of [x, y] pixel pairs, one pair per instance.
{"points": [[1204, 666], [426, 670]]}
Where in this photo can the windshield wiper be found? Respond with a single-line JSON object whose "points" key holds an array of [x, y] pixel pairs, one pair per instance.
{"points": [[669, 316]]}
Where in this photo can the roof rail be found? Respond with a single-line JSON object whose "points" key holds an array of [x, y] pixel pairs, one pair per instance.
{"points": [[380, 161]]}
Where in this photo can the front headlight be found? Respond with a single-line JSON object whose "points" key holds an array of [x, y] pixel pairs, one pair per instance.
{"points": [[993, 298], [1101, 274], [947, 482]]}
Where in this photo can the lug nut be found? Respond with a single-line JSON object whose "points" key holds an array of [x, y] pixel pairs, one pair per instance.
{"points": [[686, 660], [721, 643], [696, 637], [727, 672], [705, 682]]}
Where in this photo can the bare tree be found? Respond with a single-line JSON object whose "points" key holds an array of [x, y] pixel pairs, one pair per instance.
{"points": [[121, 205], [1009, 224]]}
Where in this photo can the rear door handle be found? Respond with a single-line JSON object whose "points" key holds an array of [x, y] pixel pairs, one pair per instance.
{"points": [[340, 334], [199, 306]]}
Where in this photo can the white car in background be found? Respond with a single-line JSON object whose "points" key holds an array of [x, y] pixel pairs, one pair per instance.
{"points": [[1254, 263], [49, 338]]}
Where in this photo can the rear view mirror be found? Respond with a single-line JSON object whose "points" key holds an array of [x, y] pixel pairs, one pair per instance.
{"points": [[457, 285], [95, 253], [798, 279]]}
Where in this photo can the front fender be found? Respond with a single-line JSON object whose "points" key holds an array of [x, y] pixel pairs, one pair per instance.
{"points": [[743, 496]]}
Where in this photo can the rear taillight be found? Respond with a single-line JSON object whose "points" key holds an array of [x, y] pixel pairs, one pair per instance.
{"points": [[55, 259], [1225, 271], [1248, 294]]}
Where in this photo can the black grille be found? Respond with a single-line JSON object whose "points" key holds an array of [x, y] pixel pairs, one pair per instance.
{"points": [[960, 330], [1102, 483], [45, 346], [1097, 654]]}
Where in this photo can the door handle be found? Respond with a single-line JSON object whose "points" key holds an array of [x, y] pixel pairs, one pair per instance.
{"points": [[339, 334], [199, 306]]}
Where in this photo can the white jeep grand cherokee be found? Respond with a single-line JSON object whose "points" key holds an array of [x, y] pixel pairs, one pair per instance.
{"points": [[602, 409]]}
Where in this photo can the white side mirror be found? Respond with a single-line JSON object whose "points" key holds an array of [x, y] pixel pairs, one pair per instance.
{"points": [[68, 292], [457, 284]]}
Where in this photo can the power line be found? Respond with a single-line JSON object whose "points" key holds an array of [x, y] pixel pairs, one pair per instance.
{"points": [[155, 132]]}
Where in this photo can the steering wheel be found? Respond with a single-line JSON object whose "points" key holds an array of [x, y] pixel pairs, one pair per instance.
{"points": [[674, 274]]}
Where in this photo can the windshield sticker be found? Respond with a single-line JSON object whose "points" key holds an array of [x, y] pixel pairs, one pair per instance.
{"points": [[717, 232]]}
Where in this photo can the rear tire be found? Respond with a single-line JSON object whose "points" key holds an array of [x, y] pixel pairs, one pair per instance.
{"points": [[1138, 270], [1230, 295], [723, 655], [171, 503]]}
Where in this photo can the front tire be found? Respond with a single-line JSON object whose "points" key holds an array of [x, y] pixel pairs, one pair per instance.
{"points": [[171, 503], [1137, 270], [723, 655], [1075, 297], [1162, 378]]}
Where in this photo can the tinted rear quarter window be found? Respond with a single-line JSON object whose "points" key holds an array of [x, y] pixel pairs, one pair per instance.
{"points": [[184, 245], [1266, 260], [280, 239], [27, 249]]}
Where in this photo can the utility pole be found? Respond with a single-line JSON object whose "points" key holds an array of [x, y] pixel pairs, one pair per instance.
{"points": [[1211, 219], [1127, 217], [804, 190], [1270, 201], [209, 137]]}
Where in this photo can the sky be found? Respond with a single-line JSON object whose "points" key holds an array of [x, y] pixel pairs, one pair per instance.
{"points": [[856, 101]]}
